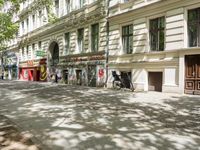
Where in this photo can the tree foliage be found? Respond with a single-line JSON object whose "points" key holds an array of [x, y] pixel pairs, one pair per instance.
{"points": [[8, 28]]}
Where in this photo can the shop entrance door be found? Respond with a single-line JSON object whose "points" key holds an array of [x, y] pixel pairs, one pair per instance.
{"points": [[155, 81], [92, 73], [192, 74], [38, 75]]}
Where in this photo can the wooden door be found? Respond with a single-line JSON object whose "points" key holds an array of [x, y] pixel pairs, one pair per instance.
{"points": [[192, 74], [155, 81]]}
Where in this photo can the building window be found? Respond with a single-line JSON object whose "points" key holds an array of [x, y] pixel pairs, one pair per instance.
{"points": [[81, 39], [67, 43], [22, 53], [34, 21], [27, 52], [57, 7], [23, 29], [40, 45], [126, 1], [81, 3], [194, 27], [157, 34], [33, 50], [27, 23], [95, 37], [127, 39], [67, 6], [40, 18]]}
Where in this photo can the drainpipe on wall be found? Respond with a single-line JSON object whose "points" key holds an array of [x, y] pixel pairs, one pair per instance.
{"points": [[107, 42]]}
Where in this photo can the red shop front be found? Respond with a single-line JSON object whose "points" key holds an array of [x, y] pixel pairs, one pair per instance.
{"points": [[33, 70]]}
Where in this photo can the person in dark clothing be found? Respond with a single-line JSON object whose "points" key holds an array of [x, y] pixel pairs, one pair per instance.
{"points": [[56, 78], [2, 75]]}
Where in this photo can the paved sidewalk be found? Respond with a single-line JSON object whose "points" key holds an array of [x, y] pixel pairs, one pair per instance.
{"points": [[61, 117], [12, 139]]}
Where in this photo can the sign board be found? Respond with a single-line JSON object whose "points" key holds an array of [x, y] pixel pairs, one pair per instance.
{"points": [[40, 53]]}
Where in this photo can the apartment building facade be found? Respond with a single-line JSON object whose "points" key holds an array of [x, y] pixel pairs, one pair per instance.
{"points": [[73, 47], [156, 44]]}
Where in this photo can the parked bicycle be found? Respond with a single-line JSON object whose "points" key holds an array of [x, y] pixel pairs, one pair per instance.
{"points": [[120, 82]]}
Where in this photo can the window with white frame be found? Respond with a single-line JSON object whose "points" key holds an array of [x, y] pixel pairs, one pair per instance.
{"points": [[67, 43], [125, 1], [67, 6], [127, 39], [57, 7], [22, 53], [40, 45], [27, 52], [33, 50], [81, 3], [27, 24], [95, 37], [194, 27], [23, 27], [157, 34], [40, 18], [80, 40], [33, 21]]}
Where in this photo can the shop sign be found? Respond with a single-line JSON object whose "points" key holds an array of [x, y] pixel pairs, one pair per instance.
{"points": [[79, 59], [40, 53], [30, 63], [101, 57]]}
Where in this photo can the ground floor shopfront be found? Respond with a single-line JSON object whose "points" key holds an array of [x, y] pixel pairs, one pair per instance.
{"points": [[10, 72], [177, 72], [83, 70], [33, 70]]}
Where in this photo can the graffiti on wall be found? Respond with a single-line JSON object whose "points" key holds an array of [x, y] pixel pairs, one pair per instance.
{"points": [[43, 73], [26, 74]]}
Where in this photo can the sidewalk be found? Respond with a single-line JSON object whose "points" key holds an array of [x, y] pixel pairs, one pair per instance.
{"points": [[64, 117], [12, 139]]}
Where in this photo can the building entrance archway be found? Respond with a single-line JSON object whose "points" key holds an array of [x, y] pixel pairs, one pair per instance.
{"points": [[53, 57]]}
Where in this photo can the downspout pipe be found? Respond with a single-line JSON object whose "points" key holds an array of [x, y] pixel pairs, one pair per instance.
{"points": [[107, 42]]}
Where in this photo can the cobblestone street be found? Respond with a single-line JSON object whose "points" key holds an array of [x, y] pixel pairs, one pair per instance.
{"points": [[62, 117]]}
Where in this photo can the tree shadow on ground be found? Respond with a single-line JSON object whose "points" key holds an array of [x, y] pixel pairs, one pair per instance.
{"points": [[12, 139], [73, 117]]}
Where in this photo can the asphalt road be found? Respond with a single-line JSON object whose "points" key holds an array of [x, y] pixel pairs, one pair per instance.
{"points": [[62, 117]]}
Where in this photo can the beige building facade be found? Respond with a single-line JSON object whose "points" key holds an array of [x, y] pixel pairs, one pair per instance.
{"points": [[73, 47], [155, 42]]}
